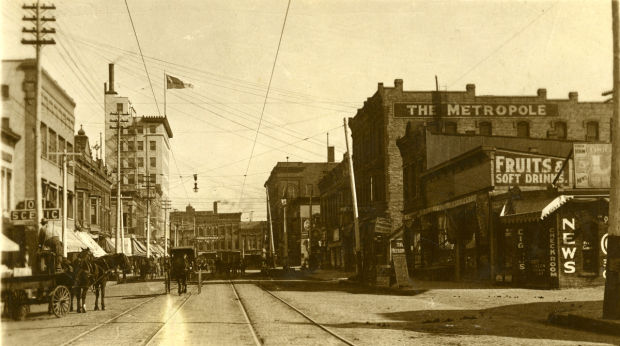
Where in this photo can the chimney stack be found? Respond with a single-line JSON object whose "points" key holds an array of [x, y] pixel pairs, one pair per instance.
{"points": [[215, 207], [111, 79], [330, 154]]}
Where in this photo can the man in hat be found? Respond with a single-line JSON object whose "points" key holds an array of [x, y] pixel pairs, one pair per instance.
{"points": [[50, 240]]}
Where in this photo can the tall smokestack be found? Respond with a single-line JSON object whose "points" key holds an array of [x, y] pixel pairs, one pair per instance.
{"points": [[330, 154], [111, 78], [215, 207]]}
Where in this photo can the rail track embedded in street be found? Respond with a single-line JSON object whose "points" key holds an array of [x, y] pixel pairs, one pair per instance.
{"points": [[291, 307], [245, 314]]}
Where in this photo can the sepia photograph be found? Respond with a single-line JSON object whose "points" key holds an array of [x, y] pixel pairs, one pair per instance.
{"points": [[310, 172]]}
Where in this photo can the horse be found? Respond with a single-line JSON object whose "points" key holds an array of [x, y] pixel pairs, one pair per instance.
{"points": [[180, 269], [80, 269], [101, 269]]}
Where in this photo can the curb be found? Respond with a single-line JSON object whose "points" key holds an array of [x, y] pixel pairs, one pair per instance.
{"points": [[585, 323]]}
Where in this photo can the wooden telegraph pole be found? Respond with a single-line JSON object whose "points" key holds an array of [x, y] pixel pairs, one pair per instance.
{"points": [[119, 216], [356, 225], [39, 32], [611, 303]]}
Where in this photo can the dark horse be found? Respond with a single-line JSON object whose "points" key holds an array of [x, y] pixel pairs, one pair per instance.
{"points": [[180, 270], [102, 269], [80, 270]]}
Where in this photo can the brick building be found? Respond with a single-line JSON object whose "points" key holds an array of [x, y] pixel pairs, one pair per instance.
{"points": [[384, 117], [294, 186], [210, 232], [93, 185], [337, 217], [252, 237]]}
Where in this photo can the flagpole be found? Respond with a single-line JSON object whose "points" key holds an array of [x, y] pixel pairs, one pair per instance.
{"points": [[165, 87]]}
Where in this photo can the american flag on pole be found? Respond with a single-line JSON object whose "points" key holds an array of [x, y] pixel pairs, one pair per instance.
{"points": [[175, 83]]}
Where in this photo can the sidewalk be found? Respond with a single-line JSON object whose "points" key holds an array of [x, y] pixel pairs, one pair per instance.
{"points": [[588, 318]]}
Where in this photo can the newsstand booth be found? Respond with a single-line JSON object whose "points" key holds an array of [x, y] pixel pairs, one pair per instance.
{"points": [[553, 241]]}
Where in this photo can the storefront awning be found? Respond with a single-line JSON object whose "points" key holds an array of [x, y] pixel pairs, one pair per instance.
{"points": [[533, 209], [138, 248], [8, 245], [91, 244], [111, 248]]}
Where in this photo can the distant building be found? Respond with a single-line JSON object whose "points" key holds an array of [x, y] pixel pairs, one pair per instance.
{"points": [[93, 185], [210, 232], [144, 154], [384, 117], [252, 237], [295, 184], [57, 124], [337, 217]]}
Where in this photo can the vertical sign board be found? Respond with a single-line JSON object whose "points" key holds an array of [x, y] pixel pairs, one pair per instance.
{"points": [[592, 165], [400, 268]]}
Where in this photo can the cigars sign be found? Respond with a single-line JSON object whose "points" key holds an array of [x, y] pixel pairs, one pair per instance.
{"points": [[408, 110], [512, 169]]}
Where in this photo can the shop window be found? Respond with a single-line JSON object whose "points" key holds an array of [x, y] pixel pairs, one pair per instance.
{"points": [[592, 131], [560, 130], [589, 231], [523, 129], [450, 127], [485, 129]]}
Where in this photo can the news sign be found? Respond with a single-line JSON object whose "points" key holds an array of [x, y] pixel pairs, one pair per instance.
{"points": [[515, 169], [592, 165]]}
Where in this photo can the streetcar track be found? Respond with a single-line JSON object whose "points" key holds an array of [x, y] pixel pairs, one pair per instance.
{"points": [[290, 306], [163, 324], [245, 314], [79, 336]]}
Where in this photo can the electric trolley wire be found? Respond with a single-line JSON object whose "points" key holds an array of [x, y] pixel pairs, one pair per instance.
{"points": [[142, 56], [275, 60]]}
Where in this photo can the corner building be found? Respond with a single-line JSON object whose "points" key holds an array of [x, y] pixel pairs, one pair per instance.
{"points": [[383, 118]]}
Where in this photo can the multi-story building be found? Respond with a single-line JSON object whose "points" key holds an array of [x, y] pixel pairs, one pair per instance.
{"points": [[293, 190], [252, 236], [337, 217], [144, 155], [209, 232], [93, 184], [384, 117], [9, 139], [57, 124]]}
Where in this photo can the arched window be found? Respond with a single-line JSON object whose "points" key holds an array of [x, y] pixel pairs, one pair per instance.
{"points": [[523, 129], [592, 131], [485, 128]]}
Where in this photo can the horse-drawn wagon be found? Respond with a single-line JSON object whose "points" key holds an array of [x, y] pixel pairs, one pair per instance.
{"points": [[181, 265], [19, 292]]}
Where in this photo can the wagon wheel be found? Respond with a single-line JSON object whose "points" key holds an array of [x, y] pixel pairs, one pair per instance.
{"points": [[60, 299]]}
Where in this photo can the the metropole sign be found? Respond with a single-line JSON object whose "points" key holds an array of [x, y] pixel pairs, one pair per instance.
{"points": [[407, 110]]}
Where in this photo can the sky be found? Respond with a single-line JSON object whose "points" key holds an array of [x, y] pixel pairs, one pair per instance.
{"points": [[331, 57]]}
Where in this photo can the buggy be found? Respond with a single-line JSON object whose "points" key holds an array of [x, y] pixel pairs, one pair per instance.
{"points": [[180, 266]]}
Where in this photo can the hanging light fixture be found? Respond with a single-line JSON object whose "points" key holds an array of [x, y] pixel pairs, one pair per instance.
{"points": [[195, 182]]}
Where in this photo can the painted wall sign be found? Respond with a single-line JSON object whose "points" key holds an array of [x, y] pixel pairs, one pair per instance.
{"points": [[553, 254], [592, 165], [407, 110], [569, 247], [397, 246], [513, 169]]}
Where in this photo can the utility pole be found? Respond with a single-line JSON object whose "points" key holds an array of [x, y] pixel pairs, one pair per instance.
{"points": [[271, 246], [165, 205], [64, 157], [611, 302], [39, 32], [119, 216], [285, 254], [356, 225]]}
